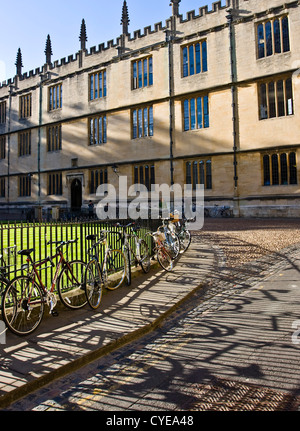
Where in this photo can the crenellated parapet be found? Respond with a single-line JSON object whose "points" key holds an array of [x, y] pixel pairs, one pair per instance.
{"points": [[210, 17]]}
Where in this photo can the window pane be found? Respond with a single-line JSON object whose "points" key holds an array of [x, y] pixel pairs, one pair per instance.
{"points": [[280, 99], [104, 84], [152, 174], [275, 173], [96, 86], [198, 59], [266, 166], [185, 62], [134, 120], [272, 105], [100, 125], [104, 129], [134, 76], [145, 73], [186, 115], [150, 71], [191, 55], [199, 113], [261, 41], [206, 111], [140, 122], [140, 72], [188, 173], [269, 38], [141, 175], [145, 122], [195, 175], [283, 169], [263, 102], [136, 175], [208, 175], [204, 56], [100, 85], [285, 34], [92, 87], [147, 179], [151, 121], [201, 173], [193, 114], [277, 42], [293, 168], [289, 97]]}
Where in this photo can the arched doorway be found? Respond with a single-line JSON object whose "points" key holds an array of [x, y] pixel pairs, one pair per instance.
{"points": [[76, 195]]}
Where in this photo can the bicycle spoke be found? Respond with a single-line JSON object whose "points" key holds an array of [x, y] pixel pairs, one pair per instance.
{"points": [[23, 306], [71, 285]]}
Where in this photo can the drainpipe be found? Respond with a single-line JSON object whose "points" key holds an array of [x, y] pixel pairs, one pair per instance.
{"points": [[43, 78], [169, 39], [234, 101], [8, 142]]}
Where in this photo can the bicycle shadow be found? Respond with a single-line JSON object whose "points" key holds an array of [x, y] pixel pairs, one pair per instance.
{"points": [[75, 334]]}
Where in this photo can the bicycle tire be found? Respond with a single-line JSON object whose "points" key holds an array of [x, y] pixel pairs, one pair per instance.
{"points": [[4, 282], [145, 257], [127, 255], [71, 288], [114, 274], [93, 284], [22, 312], [164, 259], [173, 245], [185, 240]]}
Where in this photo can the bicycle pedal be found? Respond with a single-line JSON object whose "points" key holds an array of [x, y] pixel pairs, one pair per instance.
{"points": [[54, 313]]}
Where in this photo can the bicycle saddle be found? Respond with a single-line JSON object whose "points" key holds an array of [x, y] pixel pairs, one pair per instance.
{"points": [[26, 252], [91, 237]]}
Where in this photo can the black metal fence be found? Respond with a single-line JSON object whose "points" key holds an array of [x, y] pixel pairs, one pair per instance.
{"points": [[39, 236]]}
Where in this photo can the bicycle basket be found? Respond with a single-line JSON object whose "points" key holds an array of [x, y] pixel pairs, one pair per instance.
{"points": [[159, 236]]}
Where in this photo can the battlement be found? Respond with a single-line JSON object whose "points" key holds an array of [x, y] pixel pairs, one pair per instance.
{"points": [[218, 8]]}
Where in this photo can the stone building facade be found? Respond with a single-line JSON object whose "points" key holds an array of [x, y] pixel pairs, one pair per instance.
{"points": [[210, 98]]}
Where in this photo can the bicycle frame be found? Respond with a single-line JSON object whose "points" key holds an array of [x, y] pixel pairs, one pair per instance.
{"points": [[34, 274]]}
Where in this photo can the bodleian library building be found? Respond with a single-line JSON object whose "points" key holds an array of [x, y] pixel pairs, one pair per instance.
{"points": [[209, 98]]}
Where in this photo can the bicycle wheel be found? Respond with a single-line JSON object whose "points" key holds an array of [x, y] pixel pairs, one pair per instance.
{"points": [[3, 285], [172, 244], [93, 284], [127, 255], [115, 270], [164, 259], [22, 305], [71, 287], [185, 240], [144, 255]]}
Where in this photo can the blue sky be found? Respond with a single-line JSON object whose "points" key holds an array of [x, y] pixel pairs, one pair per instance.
{"points": [[26, 24]]}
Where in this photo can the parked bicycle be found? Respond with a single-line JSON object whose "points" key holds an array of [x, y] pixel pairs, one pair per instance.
{"points": [[139, 253], [109, 273], [184, 235], [171, 237], [25, 296], [162, 250], [218, 211]]}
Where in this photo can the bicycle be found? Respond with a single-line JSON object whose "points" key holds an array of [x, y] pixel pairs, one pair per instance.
{"points": [[171, 237], [25, 296], [183, 233], [140, 252], [110, 273], [162, 250]]}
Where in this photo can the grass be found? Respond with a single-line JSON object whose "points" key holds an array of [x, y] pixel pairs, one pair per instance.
{"points": [[37, 235]]}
